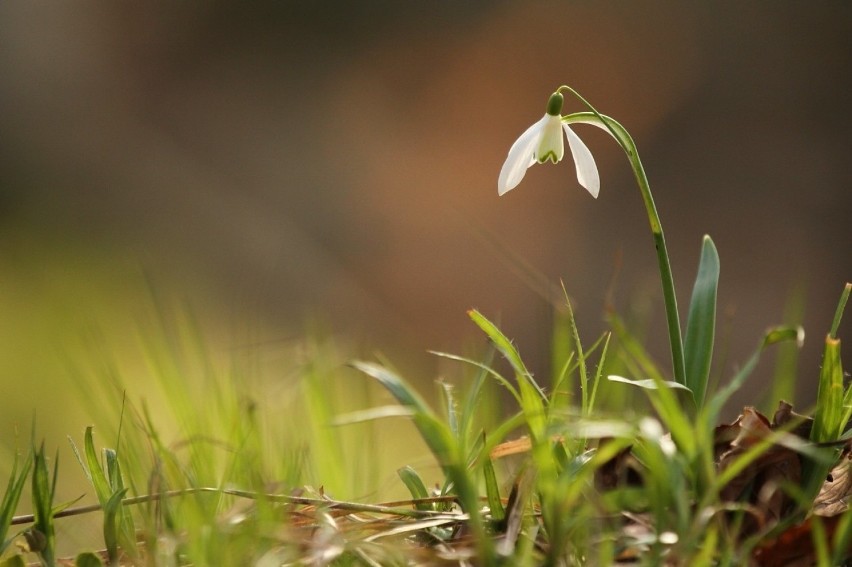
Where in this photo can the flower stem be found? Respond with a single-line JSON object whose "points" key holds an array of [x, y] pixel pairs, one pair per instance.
{"points": [[626, 142]]}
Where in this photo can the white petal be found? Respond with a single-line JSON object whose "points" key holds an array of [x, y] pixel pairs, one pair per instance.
{"points": [[551, 147], [587, 171], [520, 158]]}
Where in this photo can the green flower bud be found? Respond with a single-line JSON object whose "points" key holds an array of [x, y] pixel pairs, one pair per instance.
{"points": [[554, 105]]}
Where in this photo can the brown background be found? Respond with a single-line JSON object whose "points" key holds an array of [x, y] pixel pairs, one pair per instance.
{"points": [[338, 161]]}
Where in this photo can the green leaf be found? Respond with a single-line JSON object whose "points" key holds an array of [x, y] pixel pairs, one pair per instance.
{"points": [[841, 305], [452, 411], [398, 388], [532, 397], [701, 324], [581, 357], [599, 373], [473, 400], [443, 445], [415, 486], [127, 528], [92, 466], [109, 487], [437, 435], [12, 496], [372, 414], [506, 348], [43, 491], [828, 417], [111, 519], [484, 367], [492, 491], [647, 384]]}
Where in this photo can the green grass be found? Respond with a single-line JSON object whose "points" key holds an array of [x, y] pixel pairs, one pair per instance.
{"points": [[217, 466]]}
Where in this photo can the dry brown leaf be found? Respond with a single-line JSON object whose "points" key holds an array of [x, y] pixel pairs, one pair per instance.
{"points": [[833, 498]]}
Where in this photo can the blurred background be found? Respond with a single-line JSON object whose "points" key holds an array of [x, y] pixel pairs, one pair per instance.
{"points": [[335, 164]]}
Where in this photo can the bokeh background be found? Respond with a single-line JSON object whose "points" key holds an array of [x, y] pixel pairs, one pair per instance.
{"points": [[335, 163]]}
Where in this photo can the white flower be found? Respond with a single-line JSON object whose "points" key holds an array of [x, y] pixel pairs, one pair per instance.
{"points": [[542, 142]]}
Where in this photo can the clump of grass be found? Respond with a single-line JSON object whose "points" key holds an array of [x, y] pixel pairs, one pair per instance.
{"points": [[554, 482]]}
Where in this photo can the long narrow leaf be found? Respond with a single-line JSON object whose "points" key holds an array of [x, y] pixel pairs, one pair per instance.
{"points": [[473, 399], [415, 486], [92, 467], [12, 496], [838, 313], [647, 384], [506, 348], [493, 373], [532, 397], [444, 447], [701, 324], [398, 388], [437, 435], [111, 527], [598, 374], [828, 425], [492, 491], [42, 495], [451, 409], [127, 529], [581, 356]]}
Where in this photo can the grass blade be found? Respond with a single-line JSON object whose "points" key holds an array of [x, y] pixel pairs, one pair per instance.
{"points": [[452, 411], [701, 324], [126, 527], [841, 305], [492, 491], [599, 373], [12, 496], [647, 384], [415, 486], [581, 357], [95, 468], [506, 348], [43, 491], [831, 416], [111, 521], [484, 367], [443, 445], [398, 388], [829, 411], [532, 397], [118, 527]]}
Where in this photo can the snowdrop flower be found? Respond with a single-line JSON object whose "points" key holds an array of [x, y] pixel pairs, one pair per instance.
{"points": [[542, 142]]}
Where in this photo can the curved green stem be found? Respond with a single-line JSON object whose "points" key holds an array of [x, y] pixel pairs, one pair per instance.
{"points": [[626, 142]]}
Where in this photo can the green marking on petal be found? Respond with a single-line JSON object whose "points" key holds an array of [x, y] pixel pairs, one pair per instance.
{"points": [[549, 156]]}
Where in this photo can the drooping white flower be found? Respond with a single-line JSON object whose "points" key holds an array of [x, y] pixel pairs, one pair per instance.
{"points": [[543, 142]]}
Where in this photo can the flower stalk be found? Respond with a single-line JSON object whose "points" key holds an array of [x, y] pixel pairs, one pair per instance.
{"points": [[669, 297]]}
